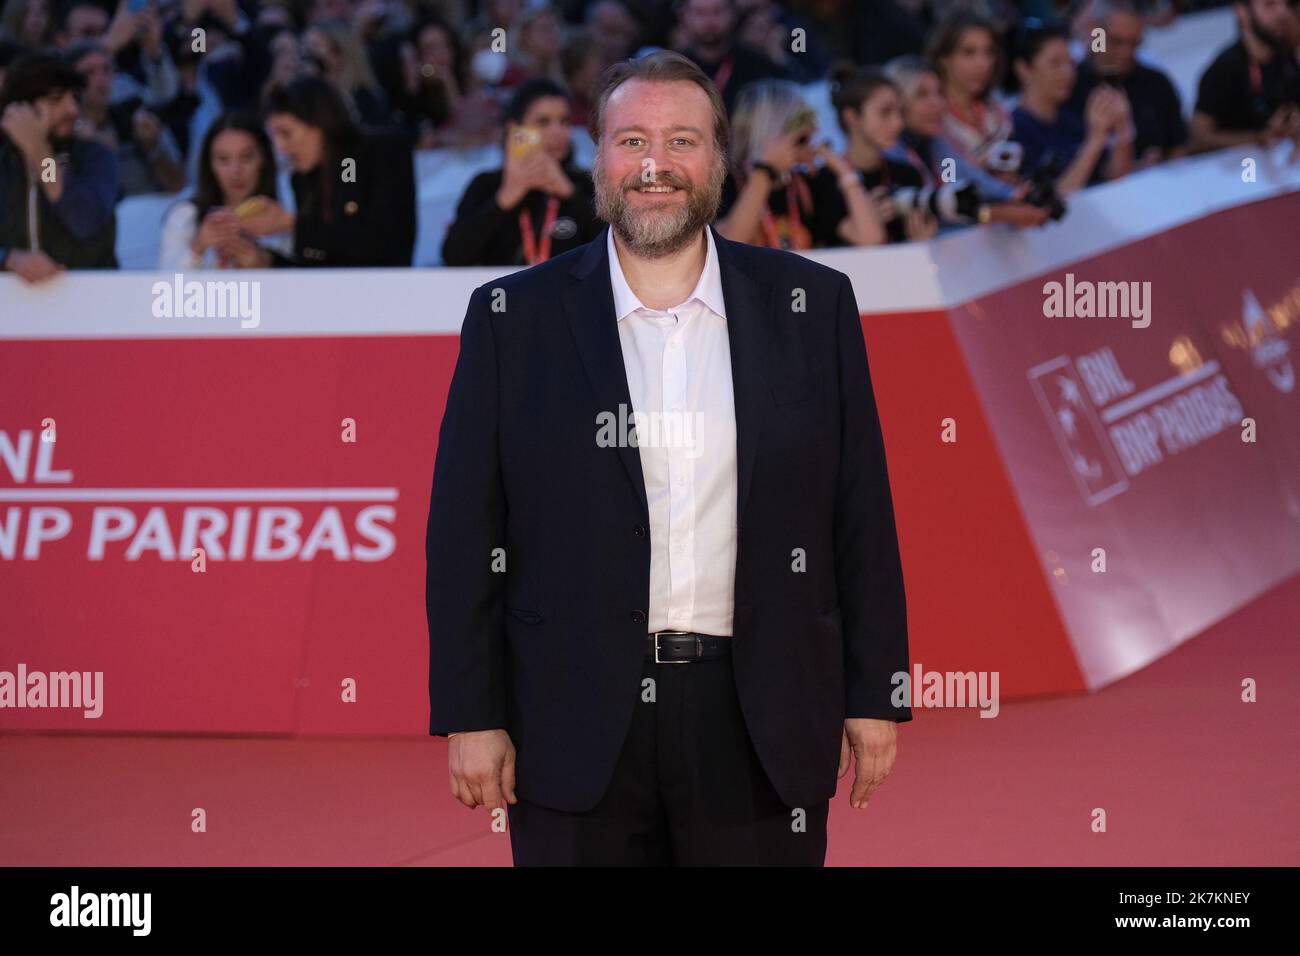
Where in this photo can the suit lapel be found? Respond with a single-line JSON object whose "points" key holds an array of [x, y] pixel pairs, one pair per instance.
{"points": [[750, 334], [589, 304]]}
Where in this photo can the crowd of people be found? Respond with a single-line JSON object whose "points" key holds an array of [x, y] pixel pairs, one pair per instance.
{"points": [[955, 114]]}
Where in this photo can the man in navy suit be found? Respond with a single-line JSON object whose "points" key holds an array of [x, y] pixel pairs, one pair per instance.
{"points": [[664, 592]]}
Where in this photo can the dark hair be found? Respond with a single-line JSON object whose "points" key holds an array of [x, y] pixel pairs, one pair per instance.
{"points": [[34, 75], [10, 51], [207, 191], [1034, 35], [947, 35], [661, 66], [458, 59], [528, 93], [317, 103], [851, 86]]}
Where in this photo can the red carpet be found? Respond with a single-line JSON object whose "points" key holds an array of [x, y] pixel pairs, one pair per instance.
{"points": [[1186, 773]]}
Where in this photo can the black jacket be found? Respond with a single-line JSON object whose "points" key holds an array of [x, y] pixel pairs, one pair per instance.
{"points": [[366, 219], [552, 649], [82, 231], [484, 234]]}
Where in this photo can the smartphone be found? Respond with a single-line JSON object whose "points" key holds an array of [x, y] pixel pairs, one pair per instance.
{"points": [[524, 140]]}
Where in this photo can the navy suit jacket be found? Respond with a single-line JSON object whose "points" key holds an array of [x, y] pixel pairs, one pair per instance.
{"points": [[551, 648]]}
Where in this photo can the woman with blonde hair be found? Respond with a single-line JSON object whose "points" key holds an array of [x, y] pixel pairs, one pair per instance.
{"points": [[767, 197], [338, 56]]}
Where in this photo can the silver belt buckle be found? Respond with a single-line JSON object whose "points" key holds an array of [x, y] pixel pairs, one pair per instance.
{"points": [[658, 661]]}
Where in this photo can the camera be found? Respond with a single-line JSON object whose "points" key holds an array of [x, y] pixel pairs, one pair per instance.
{"points": [[950, 203], [1042, 191]]}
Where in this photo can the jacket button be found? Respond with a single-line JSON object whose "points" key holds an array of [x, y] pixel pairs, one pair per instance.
{"points": [[638, 617], [640, 530]]}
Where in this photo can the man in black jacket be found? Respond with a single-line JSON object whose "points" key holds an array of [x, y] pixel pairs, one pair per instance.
{"points": [[57, 193], [664, 594], [1159, 131]]}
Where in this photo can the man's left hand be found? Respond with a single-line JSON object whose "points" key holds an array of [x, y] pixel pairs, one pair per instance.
{"points": [[873, 744]]}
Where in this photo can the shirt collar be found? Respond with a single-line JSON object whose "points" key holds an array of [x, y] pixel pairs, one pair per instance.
{"points": [[708, 289]]}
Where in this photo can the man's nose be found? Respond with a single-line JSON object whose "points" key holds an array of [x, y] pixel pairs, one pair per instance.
{"points": [[659, 163]]}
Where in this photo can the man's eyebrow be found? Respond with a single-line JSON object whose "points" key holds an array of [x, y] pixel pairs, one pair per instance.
{"points": [[667, 129]]}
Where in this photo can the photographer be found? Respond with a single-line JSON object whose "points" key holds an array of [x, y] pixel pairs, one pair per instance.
{"points": [[539, 203], [923, 147], [767, 198]]}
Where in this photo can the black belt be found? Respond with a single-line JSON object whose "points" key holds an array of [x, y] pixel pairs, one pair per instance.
{"points": [[685, 647]]}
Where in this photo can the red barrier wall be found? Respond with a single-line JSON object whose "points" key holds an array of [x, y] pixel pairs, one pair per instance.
{"points": [[996, 533]]}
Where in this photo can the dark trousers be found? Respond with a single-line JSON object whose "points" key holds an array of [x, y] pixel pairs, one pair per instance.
{"points": [[688, 790]]}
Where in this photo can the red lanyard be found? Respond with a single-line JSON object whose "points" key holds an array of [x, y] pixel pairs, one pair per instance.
{"points": [[1256, 75], [796, 192], [531, 253], [724, 73]]}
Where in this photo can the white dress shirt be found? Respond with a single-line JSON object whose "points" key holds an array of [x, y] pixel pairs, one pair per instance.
{"points": [[678, 364]]}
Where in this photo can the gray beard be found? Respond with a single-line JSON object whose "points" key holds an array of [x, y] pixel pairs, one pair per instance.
{"points": [[656, 235]]}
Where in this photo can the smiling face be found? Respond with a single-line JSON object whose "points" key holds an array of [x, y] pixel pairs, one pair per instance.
{"points": [[658, 173]]}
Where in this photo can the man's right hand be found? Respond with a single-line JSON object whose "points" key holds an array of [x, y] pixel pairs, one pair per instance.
{"points": [[481, 765]]}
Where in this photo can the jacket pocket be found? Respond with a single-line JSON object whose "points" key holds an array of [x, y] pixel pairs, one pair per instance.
{"points": [[525, 615]]}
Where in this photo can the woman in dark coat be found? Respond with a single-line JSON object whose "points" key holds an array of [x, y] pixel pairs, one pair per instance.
{"points": [[354, 191], [539, 203]]}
